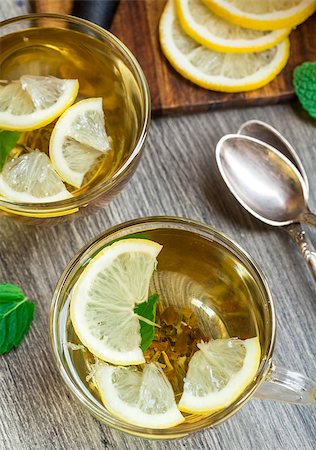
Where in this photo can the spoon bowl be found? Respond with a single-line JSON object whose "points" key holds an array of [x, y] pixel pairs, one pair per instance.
{"points": [[262, 179], [268, 185], [269, 135]]}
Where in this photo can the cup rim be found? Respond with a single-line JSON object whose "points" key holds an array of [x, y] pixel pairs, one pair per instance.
{"points": [[79, 256], [98, 190]]}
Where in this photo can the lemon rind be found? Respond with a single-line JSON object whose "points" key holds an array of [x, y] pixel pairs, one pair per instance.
{"points": [[188, 71], [132, 414], [280, 20], [213, 42], [234, 388], [60, 130], [16, 123], [103, 259], [8, 194]]}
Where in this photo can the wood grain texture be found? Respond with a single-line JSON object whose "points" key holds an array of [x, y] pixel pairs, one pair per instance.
{"points": [[177, 176], [52, 6], [136, 24]]}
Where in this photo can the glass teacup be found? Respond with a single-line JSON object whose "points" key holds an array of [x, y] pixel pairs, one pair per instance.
{"points": [[47, 45], [197, 265]]}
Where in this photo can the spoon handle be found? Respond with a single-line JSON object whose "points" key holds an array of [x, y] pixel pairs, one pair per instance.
{"points": [[308, 217], [298, 235]]}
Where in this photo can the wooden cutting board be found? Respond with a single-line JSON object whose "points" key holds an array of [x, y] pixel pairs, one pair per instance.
{"points": [[136, 24]]}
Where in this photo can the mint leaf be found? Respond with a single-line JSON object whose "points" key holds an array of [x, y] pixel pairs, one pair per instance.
{"points": [[16, 315], [147, 310], [304, 80], [8, 140]]}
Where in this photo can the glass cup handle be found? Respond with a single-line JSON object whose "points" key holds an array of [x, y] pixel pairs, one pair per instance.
{"points": [[287, 386]]}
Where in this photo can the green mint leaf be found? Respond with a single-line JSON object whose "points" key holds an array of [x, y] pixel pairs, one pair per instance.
{"points": [[304, 80], [16, 315], [8, 140], [147, 310]]}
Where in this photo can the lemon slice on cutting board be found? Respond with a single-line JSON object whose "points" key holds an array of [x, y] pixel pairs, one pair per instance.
{"points": [[141, 398], [218, 374], [263, 14], [78, 140], [34, 101], [30, 178], [210, 30], [227, 72], [104, 297]]}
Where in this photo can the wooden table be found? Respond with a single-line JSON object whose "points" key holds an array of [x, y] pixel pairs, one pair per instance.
{"points": [[177, 176]]}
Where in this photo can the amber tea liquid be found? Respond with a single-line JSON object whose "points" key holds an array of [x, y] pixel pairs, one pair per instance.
{"points": [[201, 276], [69, 54]]}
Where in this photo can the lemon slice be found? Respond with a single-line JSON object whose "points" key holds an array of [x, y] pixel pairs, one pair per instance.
{"points": [[34, 101], [103, 301], [30, 178], [263, 14], [227, 72], [78, 140], [213, 32], [219, 373], [141, 398]]}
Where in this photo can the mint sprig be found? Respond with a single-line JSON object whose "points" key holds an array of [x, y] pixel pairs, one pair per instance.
{"points": [[148, 311], [304, 80], [8, 140], [16, 315]]}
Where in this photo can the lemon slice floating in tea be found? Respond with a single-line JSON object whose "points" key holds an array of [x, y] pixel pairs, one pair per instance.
{"points": [[263, 14], [78, 140], [218, 373], [30, 178], [210, 30], [34, 101], [104, 297], [141, 398], [228, 72]]}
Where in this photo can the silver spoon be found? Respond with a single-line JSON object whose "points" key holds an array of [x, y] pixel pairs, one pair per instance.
{"points": [[267, 185], [266, 133]]}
